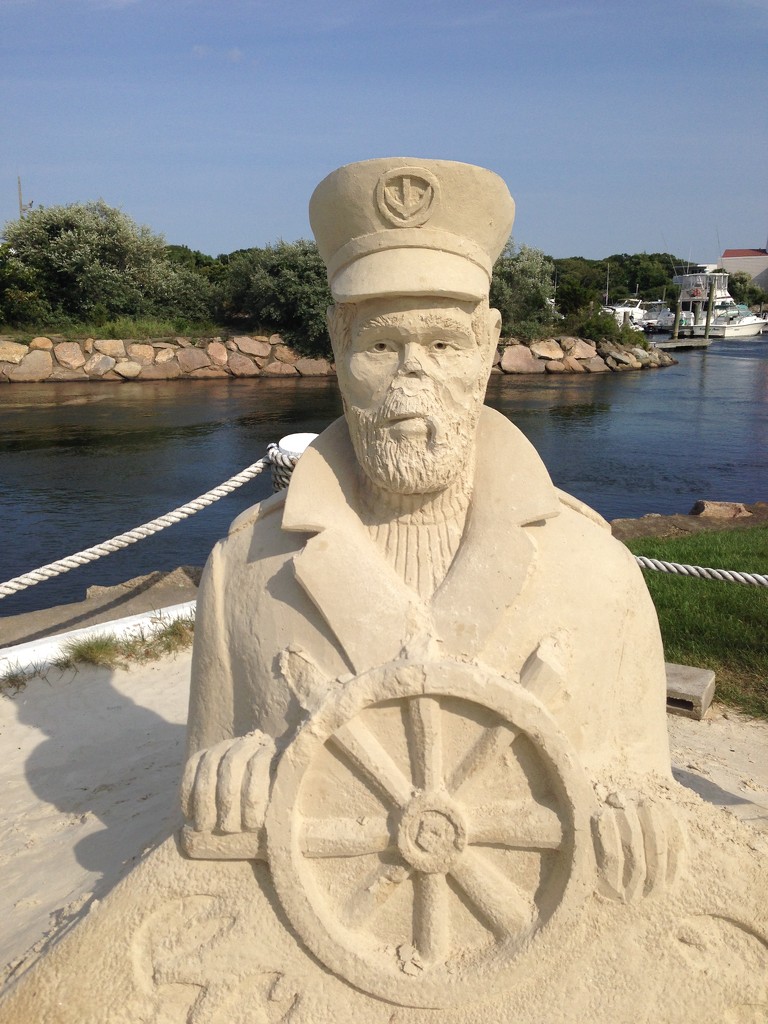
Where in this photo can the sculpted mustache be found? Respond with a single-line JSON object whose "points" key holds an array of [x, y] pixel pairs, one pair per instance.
{"points": [[400, 403]]}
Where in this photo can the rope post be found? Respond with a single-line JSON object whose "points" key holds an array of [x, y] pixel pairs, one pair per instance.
{"points": [[284, 455]]}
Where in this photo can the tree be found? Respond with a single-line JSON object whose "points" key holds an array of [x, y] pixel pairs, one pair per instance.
{"points": [[743, 290], [582, 283], [91, 262], [522, 288], [282, 287]]}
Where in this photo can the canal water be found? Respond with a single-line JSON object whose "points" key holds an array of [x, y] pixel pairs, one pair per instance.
{"points": [[81, 463]]}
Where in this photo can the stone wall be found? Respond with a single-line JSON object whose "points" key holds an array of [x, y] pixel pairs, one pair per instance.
{"points": [[54, 359], [574, 355]]}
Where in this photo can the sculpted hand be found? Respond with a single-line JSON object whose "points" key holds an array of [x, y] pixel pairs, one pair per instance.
{"points": [[639, 846], [225, 788]]}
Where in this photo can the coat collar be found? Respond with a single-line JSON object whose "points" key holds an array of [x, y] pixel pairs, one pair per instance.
{"points": [[375, 616]]}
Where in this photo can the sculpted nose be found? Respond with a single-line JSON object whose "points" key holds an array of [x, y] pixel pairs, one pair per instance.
{"points": [[411, 366]]}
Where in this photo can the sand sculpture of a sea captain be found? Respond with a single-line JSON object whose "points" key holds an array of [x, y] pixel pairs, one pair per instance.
{"points": [[427, 777], [412, 668]]}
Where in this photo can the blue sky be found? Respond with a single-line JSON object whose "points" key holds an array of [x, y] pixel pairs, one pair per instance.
{"points": [[619, 127]]}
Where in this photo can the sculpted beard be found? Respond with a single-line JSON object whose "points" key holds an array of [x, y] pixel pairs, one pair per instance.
{"points": [[418, 464]]}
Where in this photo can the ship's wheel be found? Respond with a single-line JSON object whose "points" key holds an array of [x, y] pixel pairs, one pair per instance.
{"points": [[424, 826]]}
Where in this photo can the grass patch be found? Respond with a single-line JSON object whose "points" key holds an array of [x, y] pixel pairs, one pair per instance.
{"points": [[109, 651], [722, 626], [128, 328]]}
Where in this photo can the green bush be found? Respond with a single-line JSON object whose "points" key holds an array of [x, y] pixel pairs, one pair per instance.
{"points": [[282, 288], [595, 325], [90, 262], [521, 289]]}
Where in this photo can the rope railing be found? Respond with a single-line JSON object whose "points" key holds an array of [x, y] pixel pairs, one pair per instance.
{"points": [[282, 461], [722, 575]]}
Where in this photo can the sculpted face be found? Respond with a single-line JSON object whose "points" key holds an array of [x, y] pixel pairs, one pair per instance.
{"points": [[412, 374]]}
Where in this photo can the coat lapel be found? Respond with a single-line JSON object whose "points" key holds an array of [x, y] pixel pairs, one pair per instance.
{"points": [[511, 489], [369, 608], [374, 615]]}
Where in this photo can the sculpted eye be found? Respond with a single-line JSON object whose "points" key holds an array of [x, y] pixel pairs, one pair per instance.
{"points": [[380, 346], [439, 346]]}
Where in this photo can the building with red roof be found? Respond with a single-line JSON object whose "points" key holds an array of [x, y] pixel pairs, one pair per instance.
{"points": [[750, 261]]}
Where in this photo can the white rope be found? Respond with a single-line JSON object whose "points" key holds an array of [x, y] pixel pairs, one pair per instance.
{"points": [[723, 575], [282, 464], [123, 540]]}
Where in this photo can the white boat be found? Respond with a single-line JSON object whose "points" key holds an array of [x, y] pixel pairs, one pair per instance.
{"points": [[630, 312], [728, 320], [736, 321], [656, 312]]}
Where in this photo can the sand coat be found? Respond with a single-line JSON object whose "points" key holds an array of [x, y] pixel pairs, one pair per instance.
{"points": [[535, 569]]}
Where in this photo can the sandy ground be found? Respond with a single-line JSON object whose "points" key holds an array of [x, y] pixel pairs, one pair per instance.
{"points": [[90, 774]]}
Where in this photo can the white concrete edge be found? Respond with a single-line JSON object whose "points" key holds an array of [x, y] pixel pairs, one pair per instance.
{"points": [[39, 655]]}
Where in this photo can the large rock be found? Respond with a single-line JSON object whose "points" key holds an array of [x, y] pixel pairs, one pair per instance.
{"points": [[128, 369], [573, 365], [548, 349], [166, 354], [41, 344], [313, 367], [252, 346], [720, 509], [162, 371], [99, 364], [242, 366], [190, 359], [35, 366], [70, 355], [64, 373], [555, 366], [285, 354], [141, 353], [278, 369], [627, 358], [596, 365], [520, 359], [12, 351], [110, 347], [217, 353], [581, 349]]}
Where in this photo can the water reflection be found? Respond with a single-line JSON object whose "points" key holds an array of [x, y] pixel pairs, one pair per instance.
{"points": [[580, 410], [80, 463]]}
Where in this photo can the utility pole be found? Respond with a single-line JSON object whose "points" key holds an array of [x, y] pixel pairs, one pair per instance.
{"points": [[23, 207]]}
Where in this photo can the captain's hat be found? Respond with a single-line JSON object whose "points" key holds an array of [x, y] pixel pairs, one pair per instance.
{"points": [[404, 226]]}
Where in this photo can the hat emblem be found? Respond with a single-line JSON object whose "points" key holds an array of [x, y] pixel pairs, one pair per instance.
{"points": [[407, 196]]}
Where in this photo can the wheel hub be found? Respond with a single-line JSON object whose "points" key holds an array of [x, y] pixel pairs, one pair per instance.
{"points": [[432, 833]]}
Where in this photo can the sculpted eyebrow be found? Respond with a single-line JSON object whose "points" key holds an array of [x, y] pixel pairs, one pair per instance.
{"points": [[434, 321]]}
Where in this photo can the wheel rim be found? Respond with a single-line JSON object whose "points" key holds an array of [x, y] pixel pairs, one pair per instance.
{"points": [[435, 892]]}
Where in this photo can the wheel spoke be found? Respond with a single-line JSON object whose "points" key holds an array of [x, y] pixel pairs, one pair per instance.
{"points": [[379, 885], [366, 753], [483, 753], [426, 742], [503, 904], [432, 924], [516, 825], [344, 837]]}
